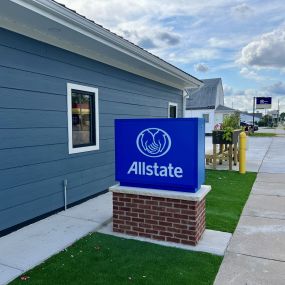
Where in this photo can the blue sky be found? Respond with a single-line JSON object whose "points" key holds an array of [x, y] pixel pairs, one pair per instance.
{"points": [[243, 42]]}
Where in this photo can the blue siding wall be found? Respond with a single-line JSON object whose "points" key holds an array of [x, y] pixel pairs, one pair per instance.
{"points": [[33, 125]]}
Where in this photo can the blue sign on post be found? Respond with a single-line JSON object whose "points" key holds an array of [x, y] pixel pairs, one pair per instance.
{"points": [[263, 102], [166, 154]]}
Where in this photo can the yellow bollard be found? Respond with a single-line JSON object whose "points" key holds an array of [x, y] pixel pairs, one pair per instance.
{"points": [[242, 153]]}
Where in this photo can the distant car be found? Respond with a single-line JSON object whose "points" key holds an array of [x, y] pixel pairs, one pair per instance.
{"points": [[248, 125]]}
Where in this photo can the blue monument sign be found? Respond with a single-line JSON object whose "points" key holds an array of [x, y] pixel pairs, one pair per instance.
{"points": [[166, 154]]}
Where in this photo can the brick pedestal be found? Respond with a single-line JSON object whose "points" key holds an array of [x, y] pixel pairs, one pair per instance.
{"points": [[159, 214]]}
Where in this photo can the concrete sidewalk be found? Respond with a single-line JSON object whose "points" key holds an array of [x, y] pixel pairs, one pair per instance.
{"points": [[256, 254], [31, 245], [257, 147]]}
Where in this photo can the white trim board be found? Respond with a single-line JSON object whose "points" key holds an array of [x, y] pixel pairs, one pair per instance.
{"points": [[70, 87]]}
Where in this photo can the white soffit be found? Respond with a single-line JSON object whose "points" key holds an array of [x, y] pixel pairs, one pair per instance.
{"points": [[49, 22]]}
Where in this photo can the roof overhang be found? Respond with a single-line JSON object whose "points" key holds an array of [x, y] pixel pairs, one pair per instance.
{"points": [[50, 22]]}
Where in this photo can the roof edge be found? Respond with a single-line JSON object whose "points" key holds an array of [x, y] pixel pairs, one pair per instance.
{"points": [[80, 24]]}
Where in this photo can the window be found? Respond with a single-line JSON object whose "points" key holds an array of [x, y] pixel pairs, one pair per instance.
{"points": [[83, 118], [206, 117], [172, 110]]}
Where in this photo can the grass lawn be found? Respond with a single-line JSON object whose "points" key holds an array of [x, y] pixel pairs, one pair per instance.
{"points": [[224, 204], [101, 259], [105, 260], [263, 135]]}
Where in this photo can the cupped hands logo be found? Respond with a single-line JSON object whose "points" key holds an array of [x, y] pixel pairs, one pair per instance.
{"points": [[153, 142]]}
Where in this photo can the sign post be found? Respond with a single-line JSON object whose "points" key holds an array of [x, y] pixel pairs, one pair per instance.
{"points": [[160, 167]]}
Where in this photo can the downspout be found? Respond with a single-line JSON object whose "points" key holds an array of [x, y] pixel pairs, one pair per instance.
{"points": [[185, 97]]}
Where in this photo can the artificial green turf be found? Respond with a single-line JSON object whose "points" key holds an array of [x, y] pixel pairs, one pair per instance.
{"points": [[101, 259], [105, 260], [224, 204], [263, 135]]}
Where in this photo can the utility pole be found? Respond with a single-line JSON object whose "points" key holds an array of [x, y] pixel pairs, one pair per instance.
{"points": [[278, 113], [253, 111]]}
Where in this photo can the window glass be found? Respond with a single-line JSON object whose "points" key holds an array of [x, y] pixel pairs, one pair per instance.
{"points": [[172, 111], [83, 118], [206, 117]]}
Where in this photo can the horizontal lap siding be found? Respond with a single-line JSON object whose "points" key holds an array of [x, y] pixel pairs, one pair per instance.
{"points": [[33, 125]]}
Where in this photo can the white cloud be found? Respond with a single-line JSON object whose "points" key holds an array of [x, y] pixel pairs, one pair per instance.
{"points": [[201, 67], [266, 51], [242, 11], [250, 74], [276, 88]]}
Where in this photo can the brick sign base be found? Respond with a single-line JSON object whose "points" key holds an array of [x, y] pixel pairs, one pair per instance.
{"points": [[159, 214]]}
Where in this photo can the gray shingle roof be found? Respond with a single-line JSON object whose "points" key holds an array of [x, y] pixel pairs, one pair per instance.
{"points": [[225, 108], [205, 96], [100, 26]]}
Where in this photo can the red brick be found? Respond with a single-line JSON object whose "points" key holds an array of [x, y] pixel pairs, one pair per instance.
{"points": [[169, 200], [143, 206], [150, 231], [138, 220], [166, 234], [180, 236], [173, 210], [127, 209], [144, 197], [125, 227], [145, 235], [131, 205], [137, 229], [171, 239], [158, 218], [144, 216], [151, 222], [117, 221], [118, 230], [189, 212], [179, 216], [180, 206], [145, 226], [179, 226], [137, 201], [158, 237], [158, 199], [166, 214], [165, 224], [165, 204], [174, 230], [158, 228], [135, 215], [132, 233], [189, 242], [151, 202], [157, 208], [173, 220], [135, 210], [188, 233], [124, 199]]}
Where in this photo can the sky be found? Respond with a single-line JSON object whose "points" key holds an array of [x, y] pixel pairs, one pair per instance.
{"points": [[243, 42]]}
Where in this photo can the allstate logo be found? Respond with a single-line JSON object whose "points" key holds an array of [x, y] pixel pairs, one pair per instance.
{"points": [[153, 142]]}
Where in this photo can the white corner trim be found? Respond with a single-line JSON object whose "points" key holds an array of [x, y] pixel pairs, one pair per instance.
{"points": [[172, 104], [70, 87], [198, 196]]}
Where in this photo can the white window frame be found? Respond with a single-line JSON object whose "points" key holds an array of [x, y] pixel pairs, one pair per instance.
{"points": [[70, 87], [171, 104]]}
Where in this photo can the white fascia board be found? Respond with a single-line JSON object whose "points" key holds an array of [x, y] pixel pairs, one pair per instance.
{"points": [[63, 16]]}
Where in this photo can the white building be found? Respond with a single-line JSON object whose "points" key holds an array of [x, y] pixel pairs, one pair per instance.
{"points": [[208, 102]]}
